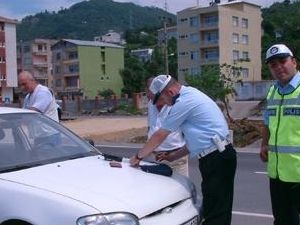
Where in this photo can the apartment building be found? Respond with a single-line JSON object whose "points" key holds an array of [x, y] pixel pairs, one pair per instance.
{"points": [[8, 62], [35, 56], [83, 68], [228, 32]]}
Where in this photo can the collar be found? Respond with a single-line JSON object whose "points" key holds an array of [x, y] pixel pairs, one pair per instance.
{"points": [[294, 82]]}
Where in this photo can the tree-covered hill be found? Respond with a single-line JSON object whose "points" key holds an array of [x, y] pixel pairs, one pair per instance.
{"points": [[281, 24], [88, 19]]}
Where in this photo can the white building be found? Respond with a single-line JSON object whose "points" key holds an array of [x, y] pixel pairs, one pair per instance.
{"points": [[8, 59], [143, 55], [111, 37]]}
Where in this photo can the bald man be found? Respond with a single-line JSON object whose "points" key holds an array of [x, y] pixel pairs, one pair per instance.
{"points": [[39, 98]]}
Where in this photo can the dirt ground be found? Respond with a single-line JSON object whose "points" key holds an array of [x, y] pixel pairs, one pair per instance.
{"points": [[123, 129], [133, 129]]}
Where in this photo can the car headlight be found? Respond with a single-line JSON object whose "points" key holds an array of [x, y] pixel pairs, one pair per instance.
{"points": [[109, 219]]}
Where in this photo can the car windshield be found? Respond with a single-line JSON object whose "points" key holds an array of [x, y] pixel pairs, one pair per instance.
{"points": [[31, 139]]}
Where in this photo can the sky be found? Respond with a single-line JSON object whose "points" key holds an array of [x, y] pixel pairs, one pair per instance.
{"points": [[18, 9]]}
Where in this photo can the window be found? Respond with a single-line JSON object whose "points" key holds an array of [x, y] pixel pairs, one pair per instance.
{"points": [[57, 69], [184, 70], [245, 55], [2, 59], [2, 77], [183, 53], [235, 38], [210, 20], [245, 39], [58, 83], [235, 55], [211, 54], [194, 55], [58, 56], [235, 21], [73, 68], [245, 72], [71, 81], [40, 48], [244, 23], [73, 55], [183, 36], [194, 21], [26, 48], [182, 20], [103, 68], [194, 38], [1, 26], [103, 56], [211, 37], [2, 44]]}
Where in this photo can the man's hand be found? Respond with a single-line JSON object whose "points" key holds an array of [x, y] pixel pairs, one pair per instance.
{"points": [[264, 153], [134, 161]]}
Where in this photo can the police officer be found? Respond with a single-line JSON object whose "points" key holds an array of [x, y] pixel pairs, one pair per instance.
{"points": [[281, 135], [206, 134]]}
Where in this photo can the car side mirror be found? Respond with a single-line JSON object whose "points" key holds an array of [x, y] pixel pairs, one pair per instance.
{"points": [[90, 141]]}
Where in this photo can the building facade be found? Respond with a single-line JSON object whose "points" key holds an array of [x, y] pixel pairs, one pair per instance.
{"points": [[8, 59], [220, 33], [83, 68], [35, 56], [111, 37], [144, 55]]}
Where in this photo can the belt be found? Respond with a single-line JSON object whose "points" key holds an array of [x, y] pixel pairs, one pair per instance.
{"points": [[212, 149], [168, 151]]}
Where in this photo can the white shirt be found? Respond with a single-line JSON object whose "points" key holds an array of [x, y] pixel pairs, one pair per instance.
{"points": [[174, 140], [43, 100]]}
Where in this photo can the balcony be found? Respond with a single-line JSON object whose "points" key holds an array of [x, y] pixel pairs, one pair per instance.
{"points": [[209, 43], [209, 61], [40, 64], [71, 74], [209, 26], [37, 52], [70, 61]]}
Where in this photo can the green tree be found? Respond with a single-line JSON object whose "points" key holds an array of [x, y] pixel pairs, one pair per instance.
{"points": [[217, 82], [107, 93], [133, 76]]}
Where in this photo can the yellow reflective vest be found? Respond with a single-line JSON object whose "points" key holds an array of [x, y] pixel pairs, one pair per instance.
{"points": [[284, 141]]}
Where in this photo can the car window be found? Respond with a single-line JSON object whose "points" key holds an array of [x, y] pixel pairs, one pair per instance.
{"points": [[35, 139]]}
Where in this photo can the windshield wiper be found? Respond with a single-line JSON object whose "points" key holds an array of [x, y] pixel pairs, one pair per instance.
{"points": [[22, 167]]}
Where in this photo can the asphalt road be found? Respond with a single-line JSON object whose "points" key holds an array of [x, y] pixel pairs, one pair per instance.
{"points": [[252, 199]]}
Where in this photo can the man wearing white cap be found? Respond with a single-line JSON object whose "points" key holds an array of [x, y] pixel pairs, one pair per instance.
{"points": [[281, 135], [173, 150], [206, 134]]}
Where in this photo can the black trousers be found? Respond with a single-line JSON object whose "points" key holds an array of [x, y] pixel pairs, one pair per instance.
{"points": [[218, 172], [285, 198]]}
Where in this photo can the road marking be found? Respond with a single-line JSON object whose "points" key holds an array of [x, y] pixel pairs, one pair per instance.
{"points": [[258, 172], [252, 214]]}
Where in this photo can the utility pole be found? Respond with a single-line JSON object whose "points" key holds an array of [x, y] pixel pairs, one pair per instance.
{"points": [[166, 41], [166, 48]]}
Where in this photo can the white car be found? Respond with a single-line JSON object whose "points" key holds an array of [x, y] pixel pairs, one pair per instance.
{"points": [[50, 176]]}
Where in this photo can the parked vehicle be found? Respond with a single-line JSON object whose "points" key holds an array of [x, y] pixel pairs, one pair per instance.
{"points": [[49, 175]]}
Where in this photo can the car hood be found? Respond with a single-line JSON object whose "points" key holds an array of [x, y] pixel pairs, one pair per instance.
{"points": [[92, 181]]}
